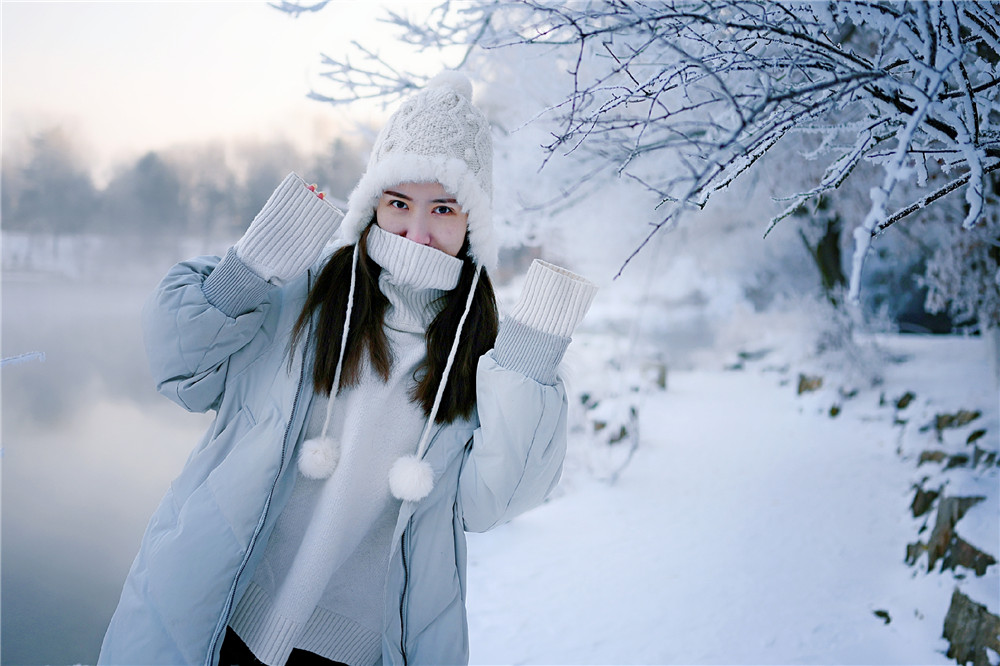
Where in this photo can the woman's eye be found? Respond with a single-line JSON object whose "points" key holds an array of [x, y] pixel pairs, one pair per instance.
{"points": [[396, 203], [443, 210]]}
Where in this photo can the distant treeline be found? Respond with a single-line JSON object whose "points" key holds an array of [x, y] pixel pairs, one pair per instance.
{"points": [[205, 190]]}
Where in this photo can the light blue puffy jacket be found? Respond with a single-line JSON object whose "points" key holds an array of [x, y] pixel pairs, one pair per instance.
{"points": [[217, 337]]}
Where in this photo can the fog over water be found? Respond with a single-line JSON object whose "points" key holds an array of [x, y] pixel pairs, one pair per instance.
{"points": [[89, 447]]}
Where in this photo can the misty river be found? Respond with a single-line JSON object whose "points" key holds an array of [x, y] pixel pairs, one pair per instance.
{"points": [[89, 447]]}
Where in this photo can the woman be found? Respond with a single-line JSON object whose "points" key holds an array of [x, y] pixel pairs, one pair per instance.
{"points": [[316, 524]]}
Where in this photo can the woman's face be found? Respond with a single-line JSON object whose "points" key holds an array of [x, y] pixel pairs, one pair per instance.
{"points": [[423, 213]]}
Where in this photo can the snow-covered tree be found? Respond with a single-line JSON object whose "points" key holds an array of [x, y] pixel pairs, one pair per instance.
{"points": [[683, 97], [145, 198], [46, 187]]}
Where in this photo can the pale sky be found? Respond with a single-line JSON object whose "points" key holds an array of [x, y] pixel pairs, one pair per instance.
{"points": [[128, 77]]}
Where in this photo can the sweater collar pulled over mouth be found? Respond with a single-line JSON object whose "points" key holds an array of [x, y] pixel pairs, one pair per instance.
{"points": [[414, 277]]}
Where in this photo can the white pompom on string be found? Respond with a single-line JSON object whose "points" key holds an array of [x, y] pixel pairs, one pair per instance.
{"points": [[411, 479], [452, 80], [319, 457]]}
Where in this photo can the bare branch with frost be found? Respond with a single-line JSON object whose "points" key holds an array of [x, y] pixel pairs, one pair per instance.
{"points": [[685, 96]]}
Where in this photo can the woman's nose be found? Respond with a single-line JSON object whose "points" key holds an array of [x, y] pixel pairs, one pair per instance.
{"points": [[419, 229]]}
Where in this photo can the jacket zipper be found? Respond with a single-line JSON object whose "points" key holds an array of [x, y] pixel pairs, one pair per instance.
{"points": [[402, 597], [406, 569], [227, 611]]}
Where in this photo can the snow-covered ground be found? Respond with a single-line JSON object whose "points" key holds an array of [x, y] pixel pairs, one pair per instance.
{"points": [[750, 526]]}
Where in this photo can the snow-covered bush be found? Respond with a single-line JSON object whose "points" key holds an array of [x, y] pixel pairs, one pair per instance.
{"points": [[963, 275]]}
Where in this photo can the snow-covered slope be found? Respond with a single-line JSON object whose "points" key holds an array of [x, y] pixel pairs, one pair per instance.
{"points": [[751, 526]]}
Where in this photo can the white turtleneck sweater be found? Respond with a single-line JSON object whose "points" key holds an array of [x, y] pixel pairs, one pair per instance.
{"points": [[320, 584]]}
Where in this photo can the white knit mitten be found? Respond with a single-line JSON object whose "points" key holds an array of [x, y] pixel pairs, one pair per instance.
{"points": [[553, 299], [289, 233]]}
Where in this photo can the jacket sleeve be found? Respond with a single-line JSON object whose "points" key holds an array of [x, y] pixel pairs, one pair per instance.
{"points": [[205, 310], [517, 452], [202, 312]]}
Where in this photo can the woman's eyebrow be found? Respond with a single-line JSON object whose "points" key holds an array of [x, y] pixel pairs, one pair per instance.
{"points": [[400, 195]]}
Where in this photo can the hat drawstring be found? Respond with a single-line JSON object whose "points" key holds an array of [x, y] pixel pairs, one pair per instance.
{"points": [[411, 477], [319, 455]]}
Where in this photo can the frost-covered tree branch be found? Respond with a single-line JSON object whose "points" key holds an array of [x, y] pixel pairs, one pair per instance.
{"points": [[685, 96], [297, 8]]}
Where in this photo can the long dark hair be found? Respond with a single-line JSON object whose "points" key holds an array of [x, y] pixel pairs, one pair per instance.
{"points": [[366, 338]]}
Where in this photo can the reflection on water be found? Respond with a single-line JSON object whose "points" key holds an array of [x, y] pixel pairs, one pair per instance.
{"points": [[88, 449]]}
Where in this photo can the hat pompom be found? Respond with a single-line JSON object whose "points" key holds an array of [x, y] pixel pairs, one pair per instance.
{"points": [[318, 457], [453, 80], [411, 478]]}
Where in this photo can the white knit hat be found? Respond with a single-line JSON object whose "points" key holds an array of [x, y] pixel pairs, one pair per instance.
{"points": [[436, 135]]}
